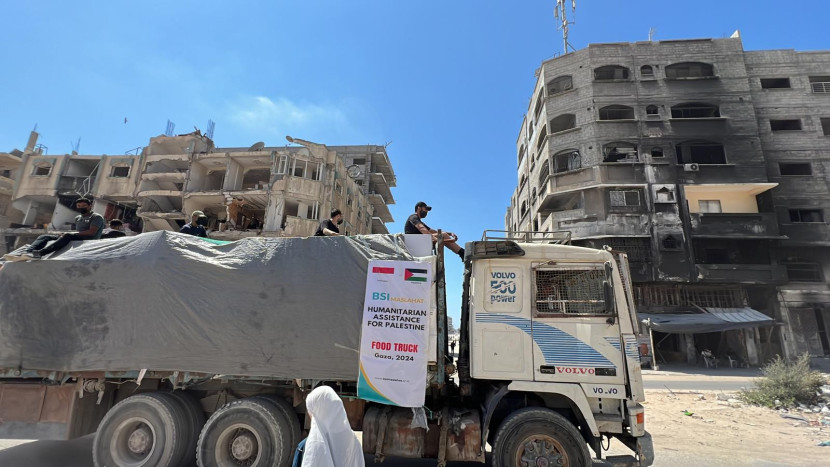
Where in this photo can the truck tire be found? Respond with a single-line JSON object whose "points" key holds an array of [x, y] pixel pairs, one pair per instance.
{"points": [[141, 431], [250, 432], [195, 417], [538, 436], [292, 422]]}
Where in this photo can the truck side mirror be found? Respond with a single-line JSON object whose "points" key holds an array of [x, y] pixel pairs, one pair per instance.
{"points": [[610, 304]]}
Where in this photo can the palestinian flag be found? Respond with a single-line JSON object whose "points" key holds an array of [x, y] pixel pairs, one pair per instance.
{"points": [[415, 275]]}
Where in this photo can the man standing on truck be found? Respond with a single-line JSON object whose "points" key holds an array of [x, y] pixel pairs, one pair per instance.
{"points": [[196, 226], [414, 225], [90, 226], [328, 227]]}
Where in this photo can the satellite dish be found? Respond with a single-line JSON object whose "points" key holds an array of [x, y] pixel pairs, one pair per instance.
{"points": [[257, 146], [353, 171]]}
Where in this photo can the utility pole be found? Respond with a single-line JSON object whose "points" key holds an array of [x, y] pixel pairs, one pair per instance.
{"points": [[561, 14]]}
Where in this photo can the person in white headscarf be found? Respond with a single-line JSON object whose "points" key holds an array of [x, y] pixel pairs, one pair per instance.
{"points": [[331, 441]]}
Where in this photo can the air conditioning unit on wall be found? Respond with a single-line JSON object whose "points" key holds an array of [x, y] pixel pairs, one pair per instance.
{"points": [[691, 167]]}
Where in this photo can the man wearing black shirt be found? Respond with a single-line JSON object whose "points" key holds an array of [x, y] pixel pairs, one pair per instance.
{"points": [[196, 226], [328, 227], [415, 225]]}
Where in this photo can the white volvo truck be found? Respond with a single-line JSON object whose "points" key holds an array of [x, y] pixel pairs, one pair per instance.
{"points": [[547, 364]]}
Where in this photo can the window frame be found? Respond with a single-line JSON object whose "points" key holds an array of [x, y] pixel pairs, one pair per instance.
{"points": [[769, 80], [781, 166], [709, 203], [785, 121], [798, 212], [586, 267], [671, 73], [39, 165], [624, 71], [625, 198], [814, 267], [606, 112], [120, 166]]}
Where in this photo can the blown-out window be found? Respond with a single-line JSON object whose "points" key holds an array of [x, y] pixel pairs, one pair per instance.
{"points": [[616, 112], [610, 73], [695, 110], [690, 70], [42, 169], [570, 291], [563, 122], [560, 84], [566, 160], [120, 171]]}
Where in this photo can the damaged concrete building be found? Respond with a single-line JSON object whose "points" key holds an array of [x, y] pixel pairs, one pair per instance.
{"points": [[244, 192], [709, 166]]}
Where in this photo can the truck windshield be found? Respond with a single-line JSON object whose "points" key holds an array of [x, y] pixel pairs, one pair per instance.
{"points": [[570, 291]]}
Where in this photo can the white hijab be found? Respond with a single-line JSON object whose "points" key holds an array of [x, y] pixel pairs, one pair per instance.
{"points": [[331, 441]]}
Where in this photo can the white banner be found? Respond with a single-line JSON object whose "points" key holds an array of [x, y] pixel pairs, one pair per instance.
{"points": [[394, 341]]}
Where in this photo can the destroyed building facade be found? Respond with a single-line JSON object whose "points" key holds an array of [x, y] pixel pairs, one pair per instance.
{"points": [[705, 163], [244, 192]]}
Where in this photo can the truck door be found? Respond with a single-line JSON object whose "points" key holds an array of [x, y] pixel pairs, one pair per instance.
{"points": [[575, 332], [501, 342]]}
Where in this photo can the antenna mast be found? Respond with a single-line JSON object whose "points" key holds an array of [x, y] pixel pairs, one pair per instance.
{"points": [[561, 14]]}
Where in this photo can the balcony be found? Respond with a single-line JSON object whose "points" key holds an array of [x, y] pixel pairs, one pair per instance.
{"points": [[299, 227], [742, 273], [806, 233], [611, 174], [378, 227], [380, 207], [583, 225], [722, 173], [735, 225], [379, 184], [298, 187]]}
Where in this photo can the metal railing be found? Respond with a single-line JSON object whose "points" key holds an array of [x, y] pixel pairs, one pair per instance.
{"points": [[559, 238]]}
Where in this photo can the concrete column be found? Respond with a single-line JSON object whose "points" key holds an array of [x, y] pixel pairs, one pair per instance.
{"points": [[788, 342], [691, 351], [29, 214], [752, 344]]}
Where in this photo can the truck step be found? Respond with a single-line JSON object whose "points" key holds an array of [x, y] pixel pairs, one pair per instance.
{"points": [[622, 461]]}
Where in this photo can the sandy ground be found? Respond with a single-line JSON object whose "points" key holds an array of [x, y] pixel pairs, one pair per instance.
{"points": [[730, 433], [717, 433]]}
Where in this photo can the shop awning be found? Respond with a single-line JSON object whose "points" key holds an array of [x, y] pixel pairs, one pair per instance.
{"points": [[713, 320]]}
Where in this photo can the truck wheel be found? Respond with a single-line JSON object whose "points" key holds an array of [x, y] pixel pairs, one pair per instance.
{"points": [[539, 437], [142, 430], [249, 432], [292, 422], [195, 417]]}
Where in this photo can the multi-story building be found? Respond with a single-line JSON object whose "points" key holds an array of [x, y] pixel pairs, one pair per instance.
{"points": [[256, 191], [708, 165]]}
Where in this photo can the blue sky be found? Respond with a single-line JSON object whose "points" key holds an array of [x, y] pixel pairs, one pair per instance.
{"points": [[445, 82]]}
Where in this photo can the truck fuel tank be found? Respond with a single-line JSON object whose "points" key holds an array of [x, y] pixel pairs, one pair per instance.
{"points": [[391, 429]]}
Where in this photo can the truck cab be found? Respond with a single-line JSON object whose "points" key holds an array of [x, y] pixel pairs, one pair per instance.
{"points": [[552, 340]]}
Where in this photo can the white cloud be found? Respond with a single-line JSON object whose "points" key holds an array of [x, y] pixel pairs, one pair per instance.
{"points": [[261, 115]]}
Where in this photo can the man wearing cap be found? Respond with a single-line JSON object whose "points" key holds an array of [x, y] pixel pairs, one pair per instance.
{"points": [[90, 226], [196, 226], [415, 225]]}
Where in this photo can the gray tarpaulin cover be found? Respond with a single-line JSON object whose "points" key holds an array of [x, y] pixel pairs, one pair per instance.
{"points": [[273, 307]]}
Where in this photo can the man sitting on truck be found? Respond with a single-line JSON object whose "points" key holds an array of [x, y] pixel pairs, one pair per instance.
{"points": [[90, 226], [328, 227], [414, 225], [196, 226]]}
